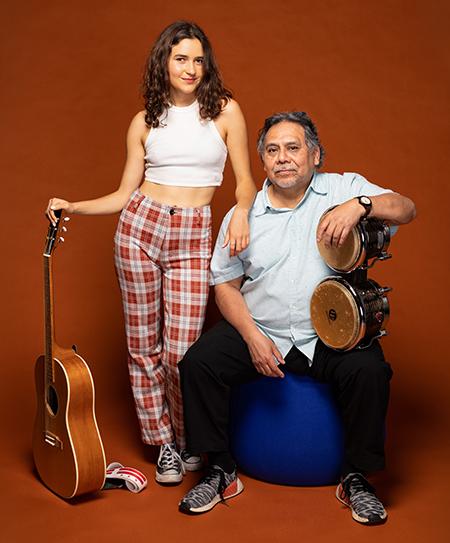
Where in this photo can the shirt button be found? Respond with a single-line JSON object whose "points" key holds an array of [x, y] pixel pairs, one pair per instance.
{"points": [[292, 281], [172, 211], [293, 307]]}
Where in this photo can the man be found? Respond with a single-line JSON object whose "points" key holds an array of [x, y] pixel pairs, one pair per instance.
{"points": [[264, 296]]}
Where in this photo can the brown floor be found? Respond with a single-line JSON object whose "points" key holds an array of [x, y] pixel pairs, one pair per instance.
{"points": [[413, 489]]}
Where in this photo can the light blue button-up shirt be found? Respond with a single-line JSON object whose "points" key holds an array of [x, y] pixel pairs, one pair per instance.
{"points": [[282, 265]]}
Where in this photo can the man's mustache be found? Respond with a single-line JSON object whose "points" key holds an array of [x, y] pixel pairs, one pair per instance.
{"points": [[279, 169]]}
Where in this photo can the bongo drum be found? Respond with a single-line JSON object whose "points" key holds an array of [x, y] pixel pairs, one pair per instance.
{"points": [[370, 238], [346, 316]]}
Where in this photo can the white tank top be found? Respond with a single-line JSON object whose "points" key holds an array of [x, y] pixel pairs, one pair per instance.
{"points": [[186, 151]]}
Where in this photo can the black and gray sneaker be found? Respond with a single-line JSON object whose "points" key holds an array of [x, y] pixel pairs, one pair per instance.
{"points": [[192, 462], [169, 467], [355, 492], [214, 487]]}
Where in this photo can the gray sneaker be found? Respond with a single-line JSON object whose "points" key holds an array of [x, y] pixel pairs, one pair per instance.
{"points": [[214, 487], [192, 462], [355, 492], [169, 467]]}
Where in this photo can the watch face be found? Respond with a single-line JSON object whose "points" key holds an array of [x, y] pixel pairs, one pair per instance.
{"points": [[364, 200]]}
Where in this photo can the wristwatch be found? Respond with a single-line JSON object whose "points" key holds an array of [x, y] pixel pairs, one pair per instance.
{"points": [[366, 202]]}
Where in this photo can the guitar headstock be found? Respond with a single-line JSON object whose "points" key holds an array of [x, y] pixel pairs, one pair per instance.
{"points": [[54, 232]]}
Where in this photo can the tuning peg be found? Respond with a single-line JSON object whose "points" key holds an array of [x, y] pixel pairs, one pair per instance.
{"points": [[61, 240], [63, 229], [66, 219]]}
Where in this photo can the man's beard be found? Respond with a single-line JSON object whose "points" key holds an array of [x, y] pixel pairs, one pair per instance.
{"points": [[287, 184]]}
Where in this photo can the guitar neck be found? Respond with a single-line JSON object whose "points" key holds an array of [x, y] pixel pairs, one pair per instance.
{"points": [[52, 240], [49, 318]]}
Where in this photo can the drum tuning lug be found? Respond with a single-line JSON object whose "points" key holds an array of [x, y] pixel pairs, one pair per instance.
{"points": [[381, 333], [384, 290], [384, 256]]}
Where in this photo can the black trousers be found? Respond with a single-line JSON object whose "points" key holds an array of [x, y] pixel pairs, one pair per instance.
{"points": [[220, 359]]}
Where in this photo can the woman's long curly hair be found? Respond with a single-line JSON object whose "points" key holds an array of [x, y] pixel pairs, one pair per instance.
{"points": [[211, 93]]}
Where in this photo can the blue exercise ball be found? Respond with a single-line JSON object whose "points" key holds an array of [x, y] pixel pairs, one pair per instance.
{"points": [[288, 431]]}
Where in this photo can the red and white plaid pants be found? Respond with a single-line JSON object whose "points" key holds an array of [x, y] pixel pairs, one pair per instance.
{"points": [[161, 257]]}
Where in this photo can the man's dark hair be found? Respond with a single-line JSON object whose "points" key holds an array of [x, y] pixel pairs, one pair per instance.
{"points": [[298, 117]]}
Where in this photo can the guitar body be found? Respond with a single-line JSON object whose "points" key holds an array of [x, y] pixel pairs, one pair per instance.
{"points": [[67, 447]]}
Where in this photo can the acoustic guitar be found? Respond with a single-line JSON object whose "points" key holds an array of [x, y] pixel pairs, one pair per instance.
{"points": [[67, 447]]}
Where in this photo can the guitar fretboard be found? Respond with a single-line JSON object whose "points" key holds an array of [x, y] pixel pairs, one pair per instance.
{"points": [[48, 313]]}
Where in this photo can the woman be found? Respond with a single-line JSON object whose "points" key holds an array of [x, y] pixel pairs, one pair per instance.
{"points": [[176, 152]]}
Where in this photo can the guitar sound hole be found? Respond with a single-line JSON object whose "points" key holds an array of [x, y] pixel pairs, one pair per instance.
{"points": [[52, 401]]}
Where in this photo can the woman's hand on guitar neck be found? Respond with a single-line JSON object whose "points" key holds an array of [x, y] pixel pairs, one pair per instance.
{"points": [[53, 205]]}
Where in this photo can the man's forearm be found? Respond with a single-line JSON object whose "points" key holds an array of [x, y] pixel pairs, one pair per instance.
{"points": [[263, 352], [234, 309], [393, 207]]}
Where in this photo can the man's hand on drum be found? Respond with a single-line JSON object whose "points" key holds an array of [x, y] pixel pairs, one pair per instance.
{"points": [[337, 224]]}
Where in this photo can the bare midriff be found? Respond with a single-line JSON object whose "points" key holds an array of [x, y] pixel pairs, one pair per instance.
{"points": [[178, 196]]}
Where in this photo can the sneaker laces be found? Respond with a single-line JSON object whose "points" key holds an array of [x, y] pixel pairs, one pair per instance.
{"points": [[362, 495], [169, 458]]}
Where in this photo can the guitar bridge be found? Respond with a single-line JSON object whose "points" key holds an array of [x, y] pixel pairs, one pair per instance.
{"points": [[52, 439]]}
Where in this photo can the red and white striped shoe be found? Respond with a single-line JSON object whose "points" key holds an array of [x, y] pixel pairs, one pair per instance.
{"points": [[117, 477]]}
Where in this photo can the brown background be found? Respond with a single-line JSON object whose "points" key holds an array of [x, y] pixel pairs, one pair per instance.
{"points": [[374, 76]]}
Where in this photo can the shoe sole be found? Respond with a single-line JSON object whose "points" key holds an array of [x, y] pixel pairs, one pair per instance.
{"points": [[168, 479], [194, 467], [233, 490], [355, 516]]}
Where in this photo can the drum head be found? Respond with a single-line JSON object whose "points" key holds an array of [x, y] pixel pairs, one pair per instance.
{"points": [[343, 258], [335, 315]]}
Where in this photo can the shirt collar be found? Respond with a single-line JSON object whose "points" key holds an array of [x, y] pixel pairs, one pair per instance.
{"points": [[319, 183], [263, 204]]}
